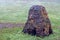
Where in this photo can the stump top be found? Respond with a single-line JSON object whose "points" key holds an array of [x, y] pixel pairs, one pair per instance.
{"points": [[37, 7]]}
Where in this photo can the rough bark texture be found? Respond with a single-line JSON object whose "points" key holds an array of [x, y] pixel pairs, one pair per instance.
{"points": [[38, 22]]}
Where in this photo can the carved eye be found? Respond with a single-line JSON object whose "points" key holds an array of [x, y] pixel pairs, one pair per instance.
{"points": [[35, 11]]}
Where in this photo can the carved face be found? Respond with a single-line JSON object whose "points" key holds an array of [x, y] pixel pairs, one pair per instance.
{"points": [[36, 12]]}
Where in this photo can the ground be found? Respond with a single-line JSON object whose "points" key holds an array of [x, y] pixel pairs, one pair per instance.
{"points": [[18, 15]]}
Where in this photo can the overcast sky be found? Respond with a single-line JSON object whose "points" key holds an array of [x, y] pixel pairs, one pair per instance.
{"points": [[13, 2]]}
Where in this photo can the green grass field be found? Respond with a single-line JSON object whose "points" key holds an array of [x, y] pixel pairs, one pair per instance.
{"points": [[19, 14]]}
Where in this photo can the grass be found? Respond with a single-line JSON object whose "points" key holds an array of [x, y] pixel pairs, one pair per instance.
{"points": [[12, 14], [16, 34], [18, 14]]}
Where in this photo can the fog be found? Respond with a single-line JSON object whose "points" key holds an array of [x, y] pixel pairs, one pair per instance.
{"points": [[30, 2]]}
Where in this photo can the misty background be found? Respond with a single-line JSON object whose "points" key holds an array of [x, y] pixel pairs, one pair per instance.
{"points": [[30, 2], [14, 10]]}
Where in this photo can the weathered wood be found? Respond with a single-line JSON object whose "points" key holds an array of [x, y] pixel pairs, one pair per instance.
{"points": [[38, 22]]}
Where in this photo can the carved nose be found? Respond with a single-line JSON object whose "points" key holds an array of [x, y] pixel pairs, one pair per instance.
{"points": [[35, 9]]}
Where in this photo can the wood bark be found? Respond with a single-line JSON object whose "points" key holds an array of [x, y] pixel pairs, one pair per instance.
{"points": [[38, 22]]}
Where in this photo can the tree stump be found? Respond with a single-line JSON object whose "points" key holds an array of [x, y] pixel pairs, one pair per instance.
{"points": [[38, 22]]}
